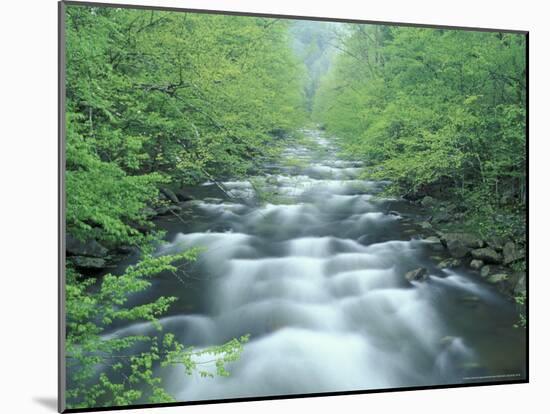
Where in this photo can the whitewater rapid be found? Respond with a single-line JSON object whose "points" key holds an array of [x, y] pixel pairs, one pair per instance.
{"points": [[316, 277]]}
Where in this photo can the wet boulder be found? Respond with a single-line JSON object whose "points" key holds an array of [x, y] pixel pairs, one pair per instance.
{"points": [[512, 253], [183, 196], [88, 263], [90, 247], [419, 274], [169, 194], [449, 263], [460, 244], [498, 278], [466, 239], [509, 283], [496, 243], [125, 249], [487, 255], [476, 264], [457, 249], [489, 270], [432, 239]]}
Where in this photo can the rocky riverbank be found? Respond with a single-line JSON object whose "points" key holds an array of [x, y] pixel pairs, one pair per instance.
{"points": [[93, 258], [500, 261]]}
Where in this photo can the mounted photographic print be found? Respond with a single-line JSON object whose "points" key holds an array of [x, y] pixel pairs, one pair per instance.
{"points": [[259, 206]]}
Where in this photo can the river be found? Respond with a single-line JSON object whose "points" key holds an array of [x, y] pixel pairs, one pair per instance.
{"points": [[316, 276]]}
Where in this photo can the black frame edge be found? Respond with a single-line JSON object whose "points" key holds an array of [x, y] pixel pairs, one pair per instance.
{"points": [[293, 396], [287, 16]]}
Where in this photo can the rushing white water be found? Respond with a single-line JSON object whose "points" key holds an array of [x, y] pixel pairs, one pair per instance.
{"points": [[318, 282]]}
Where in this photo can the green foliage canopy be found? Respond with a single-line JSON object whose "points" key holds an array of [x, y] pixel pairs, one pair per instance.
{"points": [[157, 98], [433, 107]]}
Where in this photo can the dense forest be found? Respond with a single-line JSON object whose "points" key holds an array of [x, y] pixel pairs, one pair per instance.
{"points": [[437, 112], [156, 99], [160, 101]]}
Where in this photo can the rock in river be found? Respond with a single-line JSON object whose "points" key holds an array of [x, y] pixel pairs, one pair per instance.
{"points": [[457, 249], [476, 264], [449, 264], [183, 196], [419, 274], [433, 240]]}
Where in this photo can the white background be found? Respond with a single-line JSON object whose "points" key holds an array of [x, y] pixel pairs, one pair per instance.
{"points": [[28, 204]]}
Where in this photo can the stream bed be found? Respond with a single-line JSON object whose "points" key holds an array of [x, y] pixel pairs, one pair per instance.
{"points": [[315, 275]]}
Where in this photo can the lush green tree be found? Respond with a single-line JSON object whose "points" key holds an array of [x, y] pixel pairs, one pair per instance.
{"points": [[432, 108], [188, 95], [154, 99], [117, 371]]}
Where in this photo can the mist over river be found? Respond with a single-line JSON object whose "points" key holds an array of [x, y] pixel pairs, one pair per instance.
{"points": [[316, 276]]}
